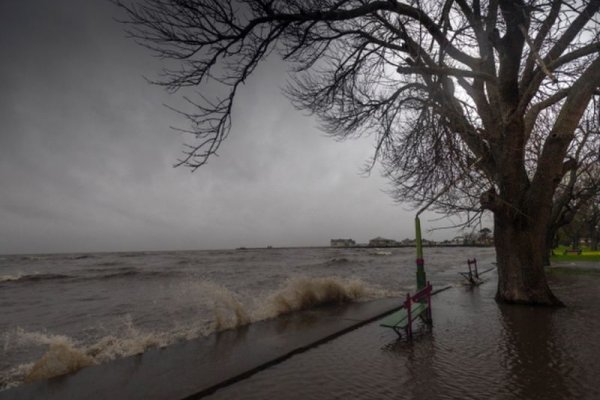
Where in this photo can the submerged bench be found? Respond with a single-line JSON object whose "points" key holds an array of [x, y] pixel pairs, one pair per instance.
{"points": [[416, 306], [473, 275]]}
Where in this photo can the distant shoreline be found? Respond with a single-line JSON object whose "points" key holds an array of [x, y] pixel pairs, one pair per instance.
{"points": [[80, 253], [359, 247]]}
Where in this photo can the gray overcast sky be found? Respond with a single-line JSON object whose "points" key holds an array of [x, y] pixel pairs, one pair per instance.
{"points": [[86, 152]]}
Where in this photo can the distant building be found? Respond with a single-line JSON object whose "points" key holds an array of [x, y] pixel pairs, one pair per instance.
{"points": [[383, 242], [342, 243], [413, 242], [483, 239]]}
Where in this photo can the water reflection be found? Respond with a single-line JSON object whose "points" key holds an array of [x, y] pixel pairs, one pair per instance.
{"points": [[533, 354]]}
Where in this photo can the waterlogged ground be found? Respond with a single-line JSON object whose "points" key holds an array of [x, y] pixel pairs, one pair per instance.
{"points": [[64, 312], [476, 350]]}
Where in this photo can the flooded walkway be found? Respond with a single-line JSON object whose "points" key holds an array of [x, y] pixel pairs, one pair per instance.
{"points": [[477, 349], [197, 367]]}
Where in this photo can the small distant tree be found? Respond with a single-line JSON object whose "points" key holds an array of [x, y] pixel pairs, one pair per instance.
{"points": [[484, 235], [593, 224], [470, 238], [574, 232], [580, 187], [452, 91], [585, 225]]}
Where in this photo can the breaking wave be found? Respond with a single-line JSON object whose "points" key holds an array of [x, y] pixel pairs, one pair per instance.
{"points": [[138, 273], [81, 257], [304, 293], [32, 277], [296, 294], [101, 274], [65, 355], [338, 261]]}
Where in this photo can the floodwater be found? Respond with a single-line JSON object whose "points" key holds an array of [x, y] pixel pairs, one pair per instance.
{"points": [[59, 313], [477, 349], [99, 307]]}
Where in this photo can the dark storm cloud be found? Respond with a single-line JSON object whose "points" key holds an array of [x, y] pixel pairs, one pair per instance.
{"points": [[86, 153]]}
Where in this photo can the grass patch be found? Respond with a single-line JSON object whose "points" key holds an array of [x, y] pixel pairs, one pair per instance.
{"points": [[586, 255], [576, 258]]}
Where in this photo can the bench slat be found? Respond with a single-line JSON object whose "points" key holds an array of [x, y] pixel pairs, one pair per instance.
{"points": [[399, 319]]}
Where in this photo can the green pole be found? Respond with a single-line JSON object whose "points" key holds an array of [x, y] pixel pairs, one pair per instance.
{"points": [[421, 279]]}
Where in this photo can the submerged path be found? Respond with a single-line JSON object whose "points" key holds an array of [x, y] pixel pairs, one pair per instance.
{"points": [[477, 349], [198, 367]]}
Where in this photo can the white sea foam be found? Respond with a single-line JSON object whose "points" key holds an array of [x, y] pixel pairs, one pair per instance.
{"points": [[229, 311], [64, 355], [14, 376], [10, 278], [60, 359]]}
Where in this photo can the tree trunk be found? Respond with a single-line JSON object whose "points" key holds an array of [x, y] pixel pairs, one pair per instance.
{"points": [[550, 245], [594, 241], [520, 248]]}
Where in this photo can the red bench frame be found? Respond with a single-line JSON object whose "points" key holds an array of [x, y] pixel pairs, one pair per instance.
{"points": [[422, 295]]}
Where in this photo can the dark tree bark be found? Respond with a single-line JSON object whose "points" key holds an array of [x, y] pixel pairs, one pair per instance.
{"points": [[521, 253], [486, 95]]}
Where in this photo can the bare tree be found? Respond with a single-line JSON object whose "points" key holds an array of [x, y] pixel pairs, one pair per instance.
{"points": [[452, 91], [593, 224], [580, 188], [590, 218], [584, 225]]}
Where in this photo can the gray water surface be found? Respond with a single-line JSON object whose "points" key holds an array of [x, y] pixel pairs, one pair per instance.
{"points": [[93, 308]]}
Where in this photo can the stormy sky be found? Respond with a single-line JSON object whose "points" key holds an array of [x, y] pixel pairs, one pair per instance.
{"points": [[86, 152]]}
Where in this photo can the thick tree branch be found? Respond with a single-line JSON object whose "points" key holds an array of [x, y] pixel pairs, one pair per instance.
{"points": [[549, 173], [530, 87], [534, 110]]}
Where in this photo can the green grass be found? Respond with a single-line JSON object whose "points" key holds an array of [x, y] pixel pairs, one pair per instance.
{"points": [[586, 255], [574, 257]]}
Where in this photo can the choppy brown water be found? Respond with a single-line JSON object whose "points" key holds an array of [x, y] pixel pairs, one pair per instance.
{"points": [[61, 312], [476, 350]]}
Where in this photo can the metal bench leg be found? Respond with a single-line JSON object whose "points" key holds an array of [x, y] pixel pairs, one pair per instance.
{"points": [[397, 331]]}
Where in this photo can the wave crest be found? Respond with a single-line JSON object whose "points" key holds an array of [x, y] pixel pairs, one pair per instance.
{"points": [[65, 356], [32, 277], [228, 310], [61, 358], [304, 293]]}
